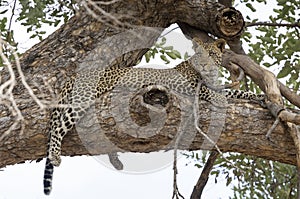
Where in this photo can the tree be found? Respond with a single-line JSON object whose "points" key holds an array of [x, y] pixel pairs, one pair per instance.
{"points": [[88, 35]]}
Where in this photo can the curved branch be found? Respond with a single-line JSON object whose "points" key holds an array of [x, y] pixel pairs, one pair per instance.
{"points": [[289, 94], [248, 138], [11, 17], [262, 77]]}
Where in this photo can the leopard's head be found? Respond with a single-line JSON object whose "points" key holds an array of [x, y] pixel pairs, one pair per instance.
{"points": [[215, 49]]}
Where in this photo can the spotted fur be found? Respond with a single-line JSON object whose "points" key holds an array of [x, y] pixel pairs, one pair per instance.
{"points": [[80, 93]]}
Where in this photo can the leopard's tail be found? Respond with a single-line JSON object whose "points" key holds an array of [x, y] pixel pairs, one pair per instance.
{"points": [[240, 94], [48, 175]]}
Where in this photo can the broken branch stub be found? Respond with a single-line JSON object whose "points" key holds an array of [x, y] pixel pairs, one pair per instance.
{"points": [[230, 22]]}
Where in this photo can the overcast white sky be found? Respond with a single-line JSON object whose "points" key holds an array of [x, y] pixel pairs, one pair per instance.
{"points": [[85, 177]]}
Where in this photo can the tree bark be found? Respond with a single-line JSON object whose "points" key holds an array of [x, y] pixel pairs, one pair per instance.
{"points": [[87, 42]]}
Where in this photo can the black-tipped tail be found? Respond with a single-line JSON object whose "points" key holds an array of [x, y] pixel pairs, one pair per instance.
{"points": [[48, 174]]}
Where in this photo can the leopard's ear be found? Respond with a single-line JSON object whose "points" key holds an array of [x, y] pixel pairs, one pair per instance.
{"points": [[197, 41], [220, 44]]}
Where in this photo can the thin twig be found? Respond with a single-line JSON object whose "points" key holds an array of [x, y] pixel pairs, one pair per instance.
{"points": [[161, 36], [272, 128], [107, 2], [105, 17], [23, 80], [104, 13], [176, 193], [6, 89], [6, 96], [11, 17], [292, 25], [196, 115], [21, 74]]}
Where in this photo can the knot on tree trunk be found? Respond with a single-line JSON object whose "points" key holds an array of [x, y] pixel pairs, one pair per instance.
{"points": [[147, 118], [155, 99], [230, 22]]}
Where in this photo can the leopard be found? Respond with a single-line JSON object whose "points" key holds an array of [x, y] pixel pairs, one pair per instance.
{"points": [[81, 91]]}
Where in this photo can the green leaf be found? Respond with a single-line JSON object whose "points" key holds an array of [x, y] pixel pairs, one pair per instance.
{"points": [[56, 22], [284, 71], [186, 56], [198, 166], [229, 180], [177, 54], [262, 1], [147, 56], [163, 41], [281, 2], [164, 58], [249, 5], [266, 64], [162, 51], [217, 172], [296, 46], [168, 48], [268, 39], [197, 156], [3, 24], [171, 55], [284, 11], [3, 12]]}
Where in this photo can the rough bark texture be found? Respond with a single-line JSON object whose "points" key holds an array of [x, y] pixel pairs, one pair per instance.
{"points": [[84, 42]]}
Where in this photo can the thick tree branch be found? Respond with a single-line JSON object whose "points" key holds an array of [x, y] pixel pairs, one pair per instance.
{"points": [[248, 138], [289, 117]]}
